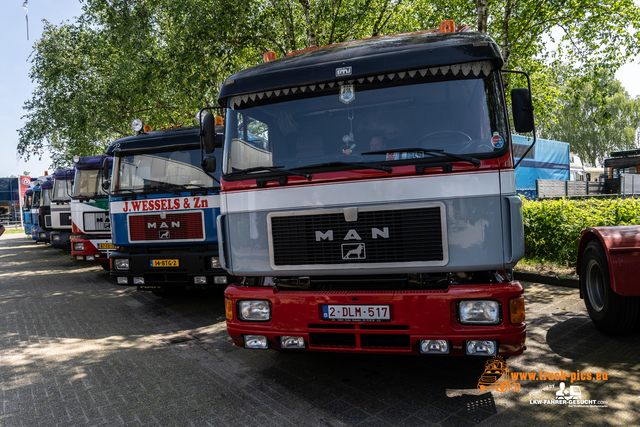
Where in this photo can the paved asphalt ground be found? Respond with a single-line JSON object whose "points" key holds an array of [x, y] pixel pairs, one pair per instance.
{"points": [[78, 350]]}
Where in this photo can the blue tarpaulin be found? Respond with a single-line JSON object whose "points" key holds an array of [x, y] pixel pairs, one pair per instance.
{"points": [[547, 160]]}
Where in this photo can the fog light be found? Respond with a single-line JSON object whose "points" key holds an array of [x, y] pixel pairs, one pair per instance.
{"points": [[78, 246], [256, 341], [80, 257], [215, 262], [292, 342], [121, 263], [200, 280], [479, 312], [220, 280], [254, 310], [123, 280], [481, 348], [434, 347], [89, 257], [55, 237], [137, 280]]}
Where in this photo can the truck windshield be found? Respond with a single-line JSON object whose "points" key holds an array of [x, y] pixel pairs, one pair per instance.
{"points": [[461, 115], [164, 171], [36, 199], [88, 184], [27, 202], [61, 190], [46, 197]]}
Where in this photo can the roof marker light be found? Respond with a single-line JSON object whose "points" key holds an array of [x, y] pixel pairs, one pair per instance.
{"points": [[147, 128], [269, 56], [219, 121]]}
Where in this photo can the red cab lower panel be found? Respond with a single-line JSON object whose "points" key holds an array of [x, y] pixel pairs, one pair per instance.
{"points": [[414, 315], [94, 250]]}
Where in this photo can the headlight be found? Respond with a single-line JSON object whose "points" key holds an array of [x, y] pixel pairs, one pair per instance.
{"points": [[78, 246], [56, 237], [121, 263], [254, 311], [215, 262], [479, 312]]}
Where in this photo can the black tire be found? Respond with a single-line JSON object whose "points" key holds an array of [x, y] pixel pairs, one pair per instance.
{"points": [[609, 312]]}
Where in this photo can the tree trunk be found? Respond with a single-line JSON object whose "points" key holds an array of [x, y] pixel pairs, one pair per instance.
{"points": [[482, 8], [506, 49]]}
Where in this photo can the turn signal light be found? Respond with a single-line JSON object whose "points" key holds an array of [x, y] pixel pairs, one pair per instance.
{"points": [[228, 307], [516, 310]]}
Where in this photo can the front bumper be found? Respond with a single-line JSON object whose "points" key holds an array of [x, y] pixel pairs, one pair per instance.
{"points": [[415, 315], [63, 241], [42, 236], [91, 252], [191, 265]]}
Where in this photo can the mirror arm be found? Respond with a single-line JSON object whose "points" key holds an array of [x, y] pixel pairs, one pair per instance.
{"points": [[530, 108]]}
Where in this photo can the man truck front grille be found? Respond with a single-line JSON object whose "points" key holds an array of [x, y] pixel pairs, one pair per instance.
{"points": [[167, 227], [96, 221], [376, 237]]}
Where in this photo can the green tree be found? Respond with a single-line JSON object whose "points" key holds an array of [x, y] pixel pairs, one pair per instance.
{"points": [[593, 120], [162, 60]]}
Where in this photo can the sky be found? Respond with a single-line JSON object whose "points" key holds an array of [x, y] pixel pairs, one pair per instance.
{"points": [[16, 87]]}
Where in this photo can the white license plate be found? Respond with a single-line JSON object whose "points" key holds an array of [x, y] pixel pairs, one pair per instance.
{"points": [[356, 312]]}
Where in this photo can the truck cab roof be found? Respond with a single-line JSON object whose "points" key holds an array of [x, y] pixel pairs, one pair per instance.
{"points": [[363, 58], [160, 139]]}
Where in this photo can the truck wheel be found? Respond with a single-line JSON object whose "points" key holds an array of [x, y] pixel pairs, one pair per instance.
{"points": [[610, 312]]}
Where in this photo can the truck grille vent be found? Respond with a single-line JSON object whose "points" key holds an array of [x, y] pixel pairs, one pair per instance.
{"points": [[175, 226], [386, 236], [65, 219], [97, 221]]}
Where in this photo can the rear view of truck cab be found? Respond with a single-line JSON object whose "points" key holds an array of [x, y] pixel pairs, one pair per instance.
{"points": [[369, 200]]}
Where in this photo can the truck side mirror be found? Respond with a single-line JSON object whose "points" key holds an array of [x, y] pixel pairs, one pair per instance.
{"points": [[212, 135], [522, 109], [209, 164], [105, 185]]}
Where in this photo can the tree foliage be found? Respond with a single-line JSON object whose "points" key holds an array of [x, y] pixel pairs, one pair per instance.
{"points": [[162, 60], [592, 128]]}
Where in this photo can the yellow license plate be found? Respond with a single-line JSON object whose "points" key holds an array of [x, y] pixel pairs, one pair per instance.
{"points": [[165, 263], [106, 246]]}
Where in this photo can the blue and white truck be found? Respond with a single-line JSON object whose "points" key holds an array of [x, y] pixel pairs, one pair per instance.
{"points": [[163, 212]]}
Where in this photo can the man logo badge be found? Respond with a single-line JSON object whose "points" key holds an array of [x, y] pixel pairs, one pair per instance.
{"points": [[164, 234], [344, 71], [353, 251]]}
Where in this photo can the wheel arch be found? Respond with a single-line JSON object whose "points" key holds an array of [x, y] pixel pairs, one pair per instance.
{"points": [[621, 246]]}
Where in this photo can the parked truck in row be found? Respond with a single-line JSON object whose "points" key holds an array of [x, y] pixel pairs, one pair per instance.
{"points": [[369, 198], [163, 210], [90, 212], [60, 219]]}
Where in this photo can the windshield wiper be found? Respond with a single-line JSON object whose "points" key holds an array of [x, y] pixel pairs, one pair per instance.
{"points": [[386, 169], [430, 151], [277, 169]]}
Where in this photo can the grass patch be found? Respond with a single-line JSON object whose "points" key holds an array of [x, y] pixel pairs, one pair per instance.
{"points": [[13, 230], [546, 267]]}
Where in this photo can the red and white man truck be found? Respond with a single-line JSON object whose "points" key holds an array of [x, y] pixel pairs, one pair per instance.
{"points": [[369, 199]]}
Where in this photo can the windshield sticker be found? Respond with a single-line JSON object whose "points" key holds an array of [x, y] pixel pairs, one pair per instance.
{"points": [[347, 93], [497, 140]]}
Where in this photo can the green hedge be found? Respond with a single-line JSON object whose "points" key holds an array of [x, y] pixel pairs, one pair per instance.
{"points": [[552, 227]]}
